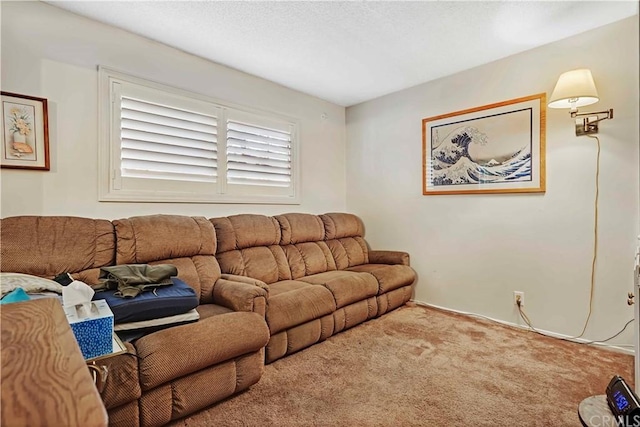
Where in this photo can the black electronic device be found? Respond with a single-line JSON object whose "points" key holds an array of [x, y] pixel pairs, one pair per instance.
{"points": [[623, 402]]}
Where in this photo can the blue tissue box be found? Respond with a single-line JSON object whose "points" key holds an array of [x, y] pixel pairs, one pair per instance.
{"points": [[93, 328]]}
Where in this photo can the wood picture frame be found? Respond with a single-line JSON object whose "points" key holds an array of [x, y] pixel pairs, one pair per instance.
{"points": [[25, 132], [496, 148]]}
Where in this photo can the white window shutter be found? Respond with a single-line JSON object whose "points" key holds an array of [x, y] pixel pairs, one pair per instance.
{"points": [[164, 142], [258, 155]]}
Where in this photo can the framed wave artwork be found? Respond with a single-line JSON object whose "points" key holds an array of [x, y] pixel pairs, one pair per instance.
{"points": [[497, 148]]}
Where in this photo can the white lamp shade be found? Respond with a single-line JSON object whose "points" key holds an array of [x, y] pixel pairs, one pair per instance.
{"points": [[574, 89]]}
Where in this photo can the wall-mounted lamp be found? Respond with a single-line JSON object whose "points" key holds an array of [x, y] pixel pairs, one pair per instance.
{"points": [[576, 89]]}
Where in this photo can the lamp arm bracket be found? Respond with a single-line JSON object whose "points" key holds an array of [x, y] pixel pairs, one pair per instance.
{"points": [[609, 115], [588, 124], [592, 122]]}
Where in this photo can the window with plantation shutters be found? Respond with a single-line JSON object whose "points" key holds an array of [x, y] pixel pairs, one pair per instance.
{"points": [[161, 144]]}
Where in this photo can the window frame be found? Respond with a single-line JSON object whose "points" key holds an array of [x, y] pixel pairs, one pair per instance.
{"points": [[109, 180]]}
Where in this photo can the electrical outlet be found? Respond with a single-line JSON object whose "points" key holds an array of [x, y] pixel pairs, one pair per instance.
{"points": [[518, 296]]}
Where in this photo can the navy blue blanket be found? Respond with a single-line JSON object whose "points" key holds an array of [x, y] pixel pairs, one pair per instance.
{"points": [[166, 301]]}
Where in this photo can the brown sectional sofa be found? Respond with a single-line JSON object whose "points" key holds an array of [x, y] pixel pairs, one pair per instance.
{"points": [[284, 282], [317, 274]]}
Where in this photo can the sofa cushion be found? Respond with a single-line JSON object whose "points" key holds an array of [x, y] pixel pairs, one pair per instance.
{"points": [[265, 263], [181, 350], [348, 251], [248, 245], [389, 277], [347, 287], [245, 231], [144, 239], [309, 258], [344, 234], [302, 241], [209, 310], [47, 246], [299, 228], [292, 303], [340, 225], [285, 286]]}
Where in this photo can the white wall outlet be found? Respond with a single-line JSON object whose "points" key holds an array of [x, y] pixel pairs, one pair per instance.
{"points": [[517, 295]]}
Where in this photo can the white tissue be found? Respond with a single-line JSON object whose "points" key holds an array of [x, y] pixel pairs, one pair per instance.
{"points": [[77, 293]]}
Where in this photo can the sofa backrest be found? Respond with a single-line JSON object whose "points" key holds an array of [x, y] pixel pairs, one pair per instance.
{"points": [[48, 246], [303, 244], [289, 246], [344, 235], [271, 249], [189, 243], [249, 245]]}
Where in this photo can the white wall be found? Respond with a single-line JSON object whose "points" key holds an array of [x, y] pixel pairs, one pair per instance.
{"points": [[54, 54], [472, 251]]}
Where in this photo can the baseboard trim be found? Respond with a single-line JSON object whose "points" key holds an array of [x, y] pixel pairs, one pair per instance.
{"points": [[523, 327]]}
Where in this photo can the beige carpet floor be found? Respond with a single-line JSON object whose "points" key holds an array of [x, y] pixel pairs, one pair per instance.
{"points": [[420, 366]]}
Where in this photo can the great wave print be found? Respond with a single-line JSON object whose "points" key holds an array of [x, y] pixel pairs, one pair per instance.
{"points": [[465, 155], [495, 148]]}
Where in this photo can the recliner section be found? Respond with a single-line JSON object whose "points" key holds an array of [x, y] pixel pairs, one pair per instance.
{"points": [[176, 371], [317, 273]]}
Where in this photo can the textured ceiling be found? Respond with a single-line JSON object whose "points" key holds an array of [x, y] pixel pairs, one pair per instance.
{"points": [[350, 52]]}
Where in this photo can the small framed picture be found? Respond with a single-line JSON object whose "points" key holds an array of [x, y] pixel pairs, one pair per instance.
{"points": [[25, 132], [497, 148]]}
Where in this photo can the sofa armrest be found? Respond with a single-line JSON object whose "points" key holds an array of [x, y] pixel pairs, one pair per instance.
{"points": [[240, 296], [388, 257], [245, 279]]}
